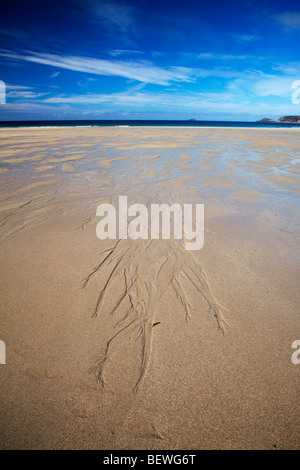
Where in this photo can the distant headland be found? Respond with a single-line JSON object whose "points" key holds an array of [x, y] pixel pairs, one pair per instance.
{"points": [[289, 119]]}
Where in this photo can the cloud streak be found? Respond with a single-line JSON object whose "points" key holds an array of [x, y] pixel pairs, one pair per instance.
{"points": [[24, 95], [140, 70], [200, 105], [225, 102], [290, 20], [55, 74]]}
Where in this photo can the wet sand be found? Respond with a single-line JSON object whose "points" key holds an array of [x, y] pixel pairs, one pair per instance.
{"points": [[85, 367]]}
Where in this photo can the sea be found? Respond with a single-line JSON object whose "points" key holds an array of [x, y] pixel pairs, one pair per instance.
{"points": [[143, 123]]}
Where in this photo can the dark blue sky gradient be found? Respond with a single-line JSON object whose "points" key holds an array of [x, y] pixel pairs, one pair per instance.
{"points": [[234, 60]]}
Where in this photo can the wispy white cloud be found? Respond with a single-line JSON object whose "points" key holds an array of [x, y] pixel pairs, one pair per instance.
{"points": [[290, 20], [223, 105], [276, 86], [31, 109], [24, 94], [126, 98], [245, 38], [214, 56], [18, 87], [143, 71], [55, 74], [14, 33], [263, 86], [289, 68], [139, 70], [115, 18], [253, 92], [122, 52], [200, 104], [85, 82], [113, 13]]}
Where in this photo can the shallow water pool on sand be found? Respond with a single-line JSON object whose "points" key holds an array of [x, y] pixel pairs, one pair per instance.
{"points": [[84, 361]]}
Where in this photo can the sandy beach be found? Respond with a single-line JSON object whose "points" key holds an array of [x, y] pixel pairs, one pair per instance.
{"points": [[85, 368]]}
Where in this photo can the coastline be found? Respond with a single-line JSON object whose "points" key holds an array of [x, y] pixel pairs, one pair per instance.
{"points": [[154, 124], [152, 127]]}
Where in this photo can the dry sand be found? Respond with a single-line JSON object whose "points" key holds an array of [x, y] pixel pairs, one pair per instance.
{"points": [[85, 368]]}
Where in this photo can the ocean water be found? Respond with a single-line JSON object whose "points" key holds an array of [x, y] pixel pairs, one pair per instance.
{"points": [[136, 123]]}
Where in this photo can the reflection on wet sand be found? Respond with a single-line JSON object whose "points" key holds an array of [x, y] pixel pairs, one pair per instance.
{"points": [[115, 342]]}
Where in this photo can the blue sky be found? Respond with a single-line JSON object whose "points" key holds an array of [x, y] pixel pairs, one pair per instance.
{"points": [[114, 59]]}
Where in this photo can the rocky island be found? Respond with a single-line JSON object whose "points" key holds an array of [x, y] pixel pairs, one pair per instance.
{"points": [[289, 119]]}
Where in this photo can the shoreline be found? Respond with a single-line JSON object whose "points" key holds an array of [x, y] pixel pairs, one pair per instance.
{"points": [[152, 127]]}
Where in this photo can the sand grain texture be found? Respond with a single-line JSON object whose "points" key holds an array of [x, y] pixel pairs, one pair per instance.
{"points": [[85, 368]]}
